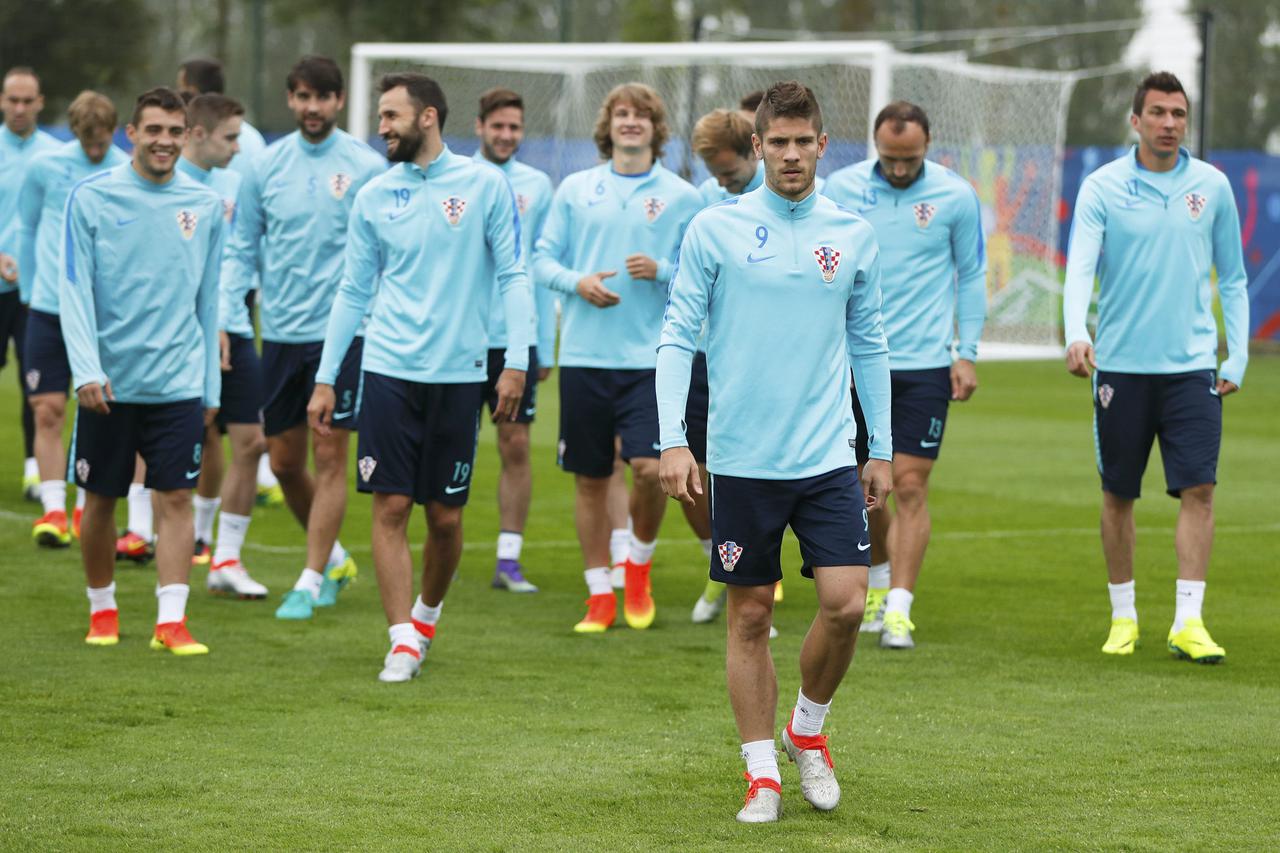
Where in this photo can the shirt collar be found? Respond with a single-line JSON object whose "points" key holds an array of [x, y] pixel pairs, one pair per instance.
{"points": [[1184, 157], [505, 167], [191, 170], [442, 160], [787, 207], [315, 149]]}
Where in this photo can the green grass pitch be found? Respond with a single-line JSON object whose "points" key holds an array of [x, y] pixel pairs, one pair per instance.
{"points": [[1005, 729]]}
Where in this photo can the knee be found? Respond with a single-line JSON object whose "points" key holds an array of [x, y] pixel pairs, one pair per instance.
{"points": [[392, 510], [911, 491], [173, 504], [513, 444], [444, 521], [644, 472], [48, 413], [252, 448], [331, 458], [845, 616], [750, 620], [286, 464], [1198, 498], [592, 488]]}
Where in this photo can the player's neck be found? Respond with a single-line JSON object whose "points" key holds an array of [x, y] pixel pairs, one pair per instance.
{"points": [[1153, 162], [190, 157], [632, 162], [158, 180], [23, 136], [430, 150]]}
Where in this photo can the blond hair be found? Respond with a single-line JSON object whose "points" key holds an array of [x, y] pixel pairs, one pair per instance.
{"points": [[92, 111], [722, 130]]}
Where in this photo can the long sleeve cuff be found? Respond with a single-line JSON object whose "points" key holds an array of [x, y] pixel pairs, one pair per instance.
{"points": [[871, 376], [675, 366]]}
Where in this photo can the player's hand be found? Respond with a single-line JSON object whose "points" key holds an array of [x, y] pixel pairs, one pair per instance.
{"points": [[8, 268], [678, 473], [94, 397], [1080, 359], [642, 267], [320, 409], [210, 414], [877, 482], [224, 348], [1226, 387], [544, 373], [510, 390], [964, 379], [591, 288]]}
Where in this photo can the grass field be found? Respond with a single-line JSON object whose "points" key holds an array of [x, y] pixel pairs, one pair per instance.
{"points": [[1005, 729]]}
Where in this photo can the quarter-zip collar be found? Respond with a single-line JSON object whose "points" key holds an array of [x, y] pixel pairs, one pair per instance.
{"points": [[785, 206], [434, 167], [317, 149]]}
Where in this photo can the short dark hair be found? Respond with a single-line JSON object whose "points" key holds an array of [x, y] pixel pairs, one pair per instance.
{"points": [[422, 90], [204, 75], [162, 97], [788, 100], [210, 110], [751, 101], [1161, 81], [316, 72], [899, 114], [497, 99]]}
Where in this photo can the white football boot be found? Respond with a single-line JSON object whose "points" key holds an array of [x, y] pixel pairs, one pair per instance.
{"points": [[231, 578], [400, 666], [817, 772], [764, 801]]}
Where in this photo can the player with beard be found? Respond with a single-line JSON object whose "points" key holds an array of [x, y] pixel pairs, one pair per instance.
{"points": [[437, 238], [291, 221], [139, 302], [92, 118]]}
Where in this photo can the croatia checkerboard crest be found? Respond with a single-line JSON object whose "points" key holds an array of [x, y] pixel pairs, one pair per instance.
{"points": [[653, 208], [339, 184], [187, 223], [33, 379], [454, 207], [82, 470], [1195, 205], [924, 213], [366, 465], [828, 262], [228, 209], [522, 203], [1105, 393], [729, 553]]}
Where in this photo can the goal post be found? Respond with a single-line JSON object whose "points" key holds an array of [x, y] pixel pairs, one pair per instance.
{"points": [[1001, 128]]}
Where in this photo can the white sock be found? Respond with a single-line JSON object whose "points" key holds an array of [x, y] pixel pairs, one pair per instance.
{"points": [[103, 598], [878, 576], [172, 600], [80, 498], [140, 511], [310, 580], [762, 760], [425, 614], [619, 545], [337, 554], [808, 716], [1122, 597], [1189, 600], [30, 468], [641, 552], [404, 635], [206, 510], [266, 479], [509, 545], [598, 581], [706, 547], [231, 531], [53, 495], [899, 600]]}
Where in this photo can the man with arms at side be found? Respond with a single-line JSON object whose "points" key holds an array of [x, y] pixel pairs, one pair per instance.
{"points": [[787, 284], [139, 301], [203, 76], [92, 118], [431, 236], [500, 126], [934, 279], [608, 246], [1165, 219], [291, 221]]}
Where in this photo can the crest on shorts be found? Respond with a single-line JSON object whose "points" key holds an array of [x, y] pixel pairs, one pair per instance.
{"points": [[924, 213], [653, 208], [82, 470], [228, 209], [33, 379], [1195, 205], [522, 203], [828, 262], [454, 207], [339, 183], [187, 223], [366, 466], [729, 552], [1105, 393]]}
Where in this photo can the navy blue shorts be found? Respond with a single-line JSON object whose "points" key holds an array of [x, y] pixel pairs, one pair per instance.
{"points": [[241, 385], [45, 362], [919, 413], [170, 437], [827, 513], [1130, 410], [289, 377], [597, 404], [695, 409], [529, 402], [418, 439], [13, 324]]}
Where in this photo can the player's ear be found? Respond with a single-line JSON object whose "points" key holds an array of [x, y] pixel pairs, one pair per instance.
{"points": [[757, 146], [822, 145], [479, 127]]}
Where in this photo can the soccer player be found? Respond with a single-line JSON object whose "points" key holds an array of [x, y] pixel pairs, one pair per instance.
{"points": [[749, 103], [291, 219], [204, 77], [213, 140], [1164, 218], [49, 179], [139, 302], [935, 290], [20, 141], [500, 126], [431, 236], [787, 284], [608, 245]]}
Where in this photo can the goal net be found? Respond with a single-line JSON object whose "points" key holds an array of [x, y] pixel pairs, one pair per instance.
{"points": [[1000, 128]]}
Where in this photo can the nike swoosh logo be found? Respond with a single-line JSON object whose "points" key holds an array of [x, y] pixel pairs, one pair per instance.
{"points": [[453, 490], [596, 201], [657, 445], [754, 260], [1213, 391], [862, 547], [392, 217], [120, 223], [337, 416], [528, 413], [191, 475], [928, 444]]}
